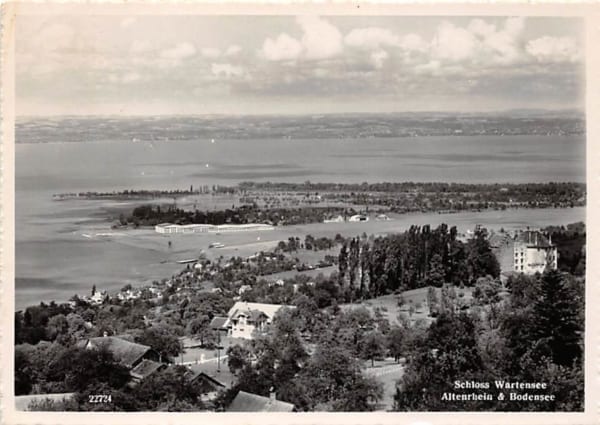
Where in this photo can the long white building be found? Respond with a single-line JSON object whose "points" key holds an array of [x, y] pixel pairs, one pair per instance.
{"points": [[210, 228]]}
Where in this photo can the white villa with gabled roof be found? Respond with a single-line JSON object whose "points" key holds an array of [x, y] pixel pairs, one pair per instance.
{"points": [[244, 318]]}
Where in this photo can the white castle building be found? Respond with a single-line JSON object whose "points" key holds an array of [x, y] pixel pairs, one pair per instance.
{"points": [[533, 252]]}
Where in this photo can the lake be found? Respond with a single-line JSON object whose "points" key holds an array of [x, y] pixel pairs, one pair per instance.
{"points": [[54, 258]]}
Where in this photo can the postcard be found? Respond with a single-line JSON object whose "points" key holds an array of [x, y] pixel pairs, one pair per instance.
{"points": [[300, 213]]}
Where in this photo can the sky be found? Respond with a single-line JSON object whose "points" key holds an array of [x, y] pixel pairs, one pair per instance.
{"points": [[157, 65]]}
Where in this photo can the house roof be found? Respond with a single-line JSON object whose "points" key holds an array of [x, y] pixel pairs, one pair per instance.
{"points": [[252, 315], [248, 402], [145, 368], [534, 238], [218, 322], [124, 352], [268, 309], [200, 375]]}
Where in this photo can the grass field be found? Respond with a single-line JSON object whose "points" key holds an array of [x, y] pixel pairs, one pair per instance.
{"points": [[326, 271], [389, 308]]}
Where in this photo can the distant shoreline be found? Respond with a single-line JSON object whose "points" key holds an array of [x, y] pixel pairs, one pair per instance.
{"points": [[287, 127]]}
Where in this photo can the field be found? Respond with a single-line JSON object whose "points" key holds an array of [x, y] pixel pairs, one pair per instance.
{"points": [[416, 298]]}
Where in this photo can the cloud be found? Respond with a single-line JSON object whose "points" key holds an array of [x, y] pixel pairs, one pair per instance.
{"points": [[371, 38], [553, 49], [514, 26], [233, 50], [378, 57], [481, 28], [480, 42], [413, 42], [330, 59], [210, 52], [282, 48], [180, 51], [453, 43], [503, 44], [226, 70], [320, 40]]}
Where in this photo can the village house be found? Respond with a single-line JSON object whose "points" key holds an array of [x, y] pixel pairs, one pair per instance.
{"points": [[209, 386], [97, 298], [127, 353], [130, 294], [244, 318]]}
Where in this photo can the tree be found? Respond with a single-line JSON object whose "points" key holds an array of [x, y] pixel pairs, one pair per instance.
{"points": [[449, 352], [169, 390], [82, 368], [395, 342], [162, 340], [57, 326], [486, 291], [373, 346], [23, 379], [343, 264], [555, 319], [333, 380], [481, 261], [432, 301], [435, 277], [200, 328], [238, 357]]}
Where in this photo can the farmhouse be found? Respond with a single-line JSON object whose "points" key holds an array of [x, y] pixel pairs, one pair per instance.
{"points": [[209, 386], [128, 353]]}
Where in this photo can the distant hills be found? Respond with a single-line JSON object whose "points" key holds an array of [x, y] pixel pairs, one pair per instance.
{"points": [[329, 126]]}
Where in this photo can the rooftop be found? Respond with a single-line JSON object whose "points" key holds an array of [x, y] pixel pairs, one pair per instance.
{"points": [[252, 315], [534, 238], [218, 322], [145, 368], [248, 402], [125, 352], [268, 309]]}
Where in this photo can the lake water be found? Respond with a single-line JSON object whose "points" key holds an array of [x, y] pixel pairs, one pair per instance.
{"points": [[54, 259]]}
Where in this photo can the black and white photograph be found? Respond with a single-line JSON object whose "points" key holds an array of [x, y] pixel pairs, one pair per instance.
{"points": [[299, 212]]}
